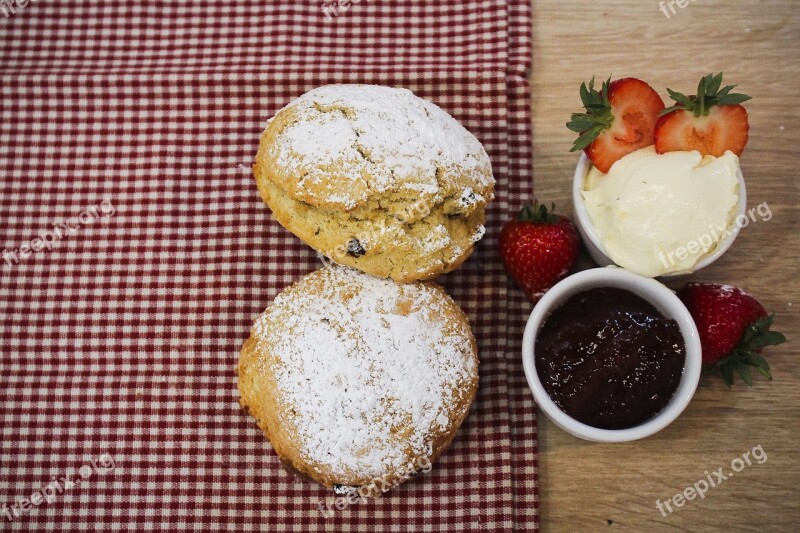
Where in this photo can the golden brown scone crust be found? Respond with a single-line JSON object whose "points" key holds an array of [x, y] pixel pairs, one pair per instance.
{"points": [[356, 379], [377, 179]]}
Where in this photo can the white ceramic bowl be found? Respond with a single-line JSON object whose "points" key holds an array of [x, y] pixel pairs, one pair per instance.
{"points": [[664, 300], [591, 237]]}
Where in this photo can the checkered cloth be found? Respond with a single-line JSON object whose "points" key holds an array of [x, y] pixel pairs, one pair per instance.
{"points": [[137, 254]]}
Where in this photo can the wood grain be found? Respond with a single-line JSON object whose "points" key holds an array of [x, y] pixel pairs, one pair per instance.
{"points": [[597, 487]]}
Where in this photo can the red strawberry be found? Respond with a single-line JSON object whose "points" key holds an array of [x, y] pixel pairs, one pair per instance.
{"points": [[538, 249], [619, 120], [733, 328], [710, 122]]}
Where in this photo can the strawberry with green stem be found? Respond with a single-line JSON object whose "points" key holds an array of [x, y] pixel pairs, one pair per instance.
{"points": [[734, 327], [619, 119], [712, 122], [538, 248]]}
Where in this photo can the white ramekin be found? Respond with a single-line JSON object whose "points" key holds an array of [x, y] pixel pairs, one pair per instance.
{"points": [[664, 300], [591, 237]]}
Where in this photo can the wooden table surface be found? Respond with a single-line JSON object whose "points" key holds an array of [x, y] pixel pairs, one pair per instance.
{"points": [[603, 487]]}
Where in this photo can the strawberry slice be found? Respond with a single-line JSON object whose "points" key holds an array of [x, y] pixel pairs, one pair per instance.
{"points": [[619, 119], [711, 122]]}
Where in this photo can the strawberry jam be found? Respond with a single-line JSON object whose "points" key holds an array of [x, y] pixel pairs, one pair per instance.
{"points": [[609, 359]]}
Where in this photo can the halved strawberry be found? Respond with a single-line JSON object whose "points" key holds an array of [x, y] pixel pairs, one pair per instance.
{"points": [[618, 120], [711, 122]]}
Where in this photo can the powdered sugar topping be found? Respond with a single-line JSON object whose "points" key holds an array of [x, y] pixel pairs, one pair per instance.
{"points": [[379, 139], [369, 367], [438, 239]]}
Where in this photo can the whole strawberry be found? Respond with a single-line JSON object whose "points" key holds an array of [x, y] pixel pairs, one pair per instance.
{"points": [[538, 249], [733, 328]]}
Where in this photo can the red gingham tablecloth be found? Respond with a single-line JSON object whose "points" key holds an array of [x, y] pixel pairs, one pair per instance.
{"points": [[137, 253]]}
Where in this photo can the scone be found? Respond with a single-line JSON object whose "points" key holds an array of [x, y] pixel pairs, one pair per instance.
{"points": [[377, 179], [356, 379]]}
